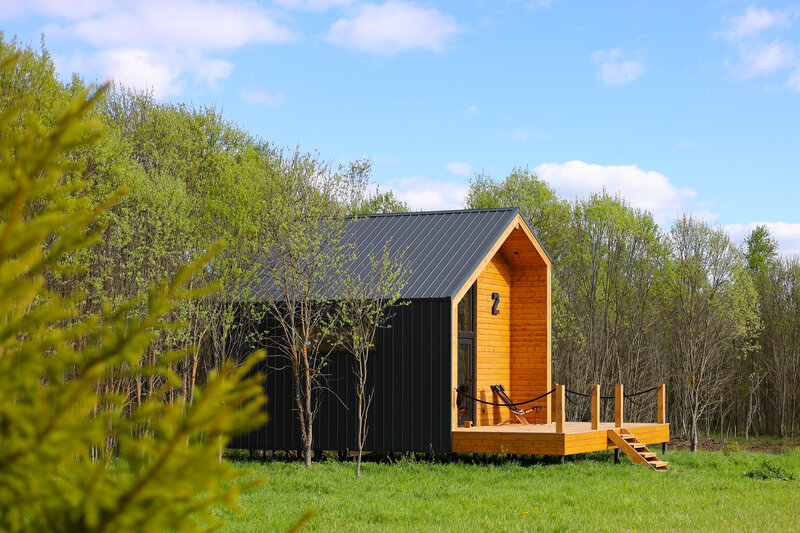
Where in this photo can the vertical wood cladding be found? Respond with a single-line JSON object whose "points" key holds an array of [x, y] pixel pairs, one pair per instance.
{"points": [[493, 337], [410, 370], [530, 333], [513, 348]]}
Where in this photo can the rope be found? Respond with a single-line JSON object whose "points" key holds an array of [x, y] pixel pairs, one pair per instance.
{"points": [[579, 404], [628, 397], [576, 393], [503, 404], [642, 392], [642, 404], [573, 402]]}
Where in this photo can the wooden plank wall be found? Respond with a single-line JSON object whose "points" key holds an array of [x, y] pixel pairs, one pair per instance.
{"points": [[493, 338], [530, 331]]}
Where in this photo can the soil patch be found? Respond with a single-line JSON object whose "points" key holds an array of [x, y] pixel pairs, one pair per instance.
{"points": [[721, 445]]}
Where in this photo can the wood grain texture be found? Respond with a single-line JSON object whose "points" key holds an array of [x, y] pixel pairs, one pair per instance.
{"points": [[578, 437], [493, 338], [514, 347], [560, 409]]}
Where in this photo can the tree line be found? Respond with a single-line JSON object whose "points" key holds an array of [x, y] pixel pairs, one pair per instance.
{"points": [[639, 305], [632, 303], [189, 185]]}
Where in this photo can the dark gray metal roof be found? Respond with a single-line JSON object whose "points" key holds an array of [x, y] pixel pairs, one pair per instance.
{"points": [[441, 248]]}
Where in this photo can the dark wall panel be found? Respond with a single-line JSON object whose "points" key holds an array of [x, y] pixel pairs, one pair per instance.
{"points": [[410, 370]]}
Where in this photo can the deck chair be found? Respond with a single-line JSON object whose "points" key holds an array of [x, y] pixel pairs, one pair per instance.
{"points": [[518, 413]]}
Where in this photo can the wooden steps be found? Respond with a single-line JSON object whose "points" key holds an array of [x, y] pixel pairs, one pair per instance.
{"points": [[637, 451]]}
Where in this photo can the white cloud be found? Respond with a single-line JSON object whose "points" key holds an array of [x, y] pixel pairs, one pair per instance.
{"points": [[754, 21], [793, 83], [313, 5], [209, 71], [519, 135], [262, 97], [787, 234], [53, 8], [763, 59], [384, 159], [459, 168], [756, 57], [426, 194], [394, 27], [157, 44], [614, 69], [472, 110], [140, 70], [184, 24], [644, 189]]}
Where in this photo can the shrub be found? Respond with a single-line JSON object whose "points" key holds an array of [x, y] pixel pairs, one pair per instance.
{"points": [[75, 455]]}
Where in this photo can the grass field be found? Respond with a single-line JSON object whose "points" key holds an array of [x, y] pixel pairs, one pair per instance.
{"points": [[707, 491]]}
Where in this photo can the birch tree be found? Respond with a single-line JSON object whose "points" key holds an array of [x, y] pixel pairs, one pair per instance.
{"points": [[366, 303], [710, 313]]}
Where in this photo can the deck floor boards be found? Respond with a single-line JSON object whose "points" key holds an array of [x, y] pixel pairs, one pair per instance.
{"points": [[578, 437]]}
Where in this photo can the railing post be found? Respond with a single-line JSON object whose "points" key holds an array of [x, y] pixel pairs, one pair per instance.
{"points": [[661, 417], [619, 399], [560, 417], [595, 406]]}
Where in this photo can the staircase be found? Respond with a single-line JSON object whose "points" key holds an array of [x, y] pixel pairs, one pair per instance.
{"points": [[637, 451]]}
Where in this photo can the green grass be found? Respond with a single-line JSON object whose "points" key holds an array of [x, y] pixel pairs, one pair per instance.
{"points": [[739, 491]]}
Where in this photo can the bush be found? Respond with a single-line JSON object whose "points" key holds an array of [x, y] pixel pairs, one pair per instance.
{"points": [[75, 454], [770, 471]]}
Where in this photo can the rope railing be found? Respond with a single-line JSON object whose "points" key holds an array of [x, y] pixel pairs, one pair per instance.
{"points": [[588, 398], [503, 404], [633, 395], [649, 402]]}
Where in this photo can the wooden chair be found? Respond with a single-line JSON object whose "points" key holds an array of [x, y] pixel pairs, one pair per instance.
{"points": [[518, 413]]}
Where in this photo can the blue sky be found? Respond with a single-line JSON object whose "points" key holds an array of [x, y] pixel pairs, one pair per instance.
{"points": [[680, 106]]}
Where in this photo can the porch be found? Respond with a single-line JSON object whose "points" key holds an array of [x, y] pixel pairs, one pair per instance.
{"points": [[559, 437], [542, 439]]}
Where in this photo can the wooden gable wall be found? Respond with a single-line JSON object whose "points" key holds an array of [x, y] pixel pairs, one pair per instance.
{"points": [[493, 337]]}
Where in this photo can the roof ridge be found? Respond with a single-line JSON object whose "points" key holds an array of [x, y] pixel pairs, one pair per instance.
{"points": [[442, 212]]}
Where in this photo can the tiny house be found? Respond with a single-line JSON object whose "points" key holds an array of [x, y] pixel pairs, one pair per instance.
{"points": [[478, 314]]}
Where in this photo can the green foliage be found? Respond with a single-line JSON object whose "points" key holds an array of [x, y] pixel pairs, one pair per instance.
{"points": [[547, 214], [770, 471], [76, 454], [701, 492], [366, 304], [760, 248]]}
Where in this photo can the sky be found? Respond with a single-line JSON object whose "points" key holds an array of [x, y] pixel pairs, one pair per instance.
{"points": [[681, 107]]}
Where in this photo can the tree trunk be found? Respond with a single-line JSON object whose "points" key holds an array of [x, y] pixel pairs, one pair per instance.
{"points": [[309, 420], [360, 428]]}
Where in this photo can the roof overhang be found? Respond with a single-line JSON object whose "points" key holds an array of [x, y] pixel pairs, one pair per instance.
{"points": [[523, 240]]}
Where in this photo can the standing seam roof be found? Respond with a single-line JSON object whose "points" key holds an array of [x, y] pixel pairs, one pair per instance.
{"points": [[441, 248]]}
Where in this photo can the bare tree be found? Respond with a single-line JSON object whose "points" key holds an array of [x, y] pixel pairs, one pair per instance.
{"points": [[710, 313], [367, 300]]}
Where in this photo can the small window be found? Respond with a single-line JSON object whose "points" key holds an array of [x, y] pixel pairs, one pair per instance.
{"points": [[466, 312]]}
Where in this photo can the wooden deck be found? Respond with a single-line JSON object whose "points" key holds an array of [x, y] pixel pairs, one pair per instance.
{"points": [[542, 439]]}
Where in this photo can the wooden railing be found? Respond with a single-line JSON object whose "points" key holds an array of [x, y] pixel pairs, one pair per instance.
{"points": [[559, 407]]}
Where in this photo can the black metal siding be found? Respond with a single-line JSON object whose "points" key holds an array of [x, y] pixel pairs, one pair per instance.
{"points": [[411, 371]]}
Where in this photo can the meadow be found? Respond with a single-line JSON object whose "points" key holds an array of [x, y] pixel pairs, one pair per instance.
{"points": [[706, 491]]}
